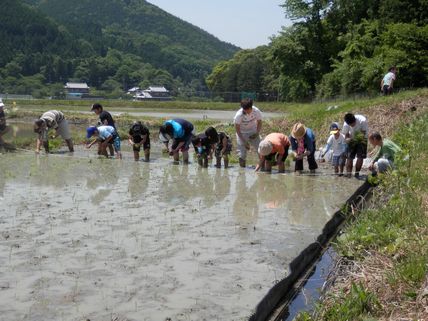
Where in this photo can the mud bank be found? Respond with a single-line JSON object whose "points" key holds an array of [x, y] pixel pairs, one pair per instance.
{"points": [[87, 238]]}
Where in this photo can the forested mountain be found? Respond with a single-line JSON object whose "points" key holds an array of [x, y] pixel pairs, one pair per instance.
{"points": [[111, 44], [335, 47]]}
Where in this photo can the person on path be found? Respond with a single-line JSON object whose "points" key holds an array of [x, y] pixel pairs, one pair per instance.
{"points": [[355, 130], [385, 157], [248, 123], [139, 135], [387, 83], [180, 131], [303, 144], [273, 149], [52, 119], [105, 118], [336, 141], [105, 135]]}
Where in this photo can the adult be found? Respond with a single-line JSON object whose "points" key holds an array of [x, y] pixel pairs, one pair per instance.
{"points": [[106, 119], [180, 131], [355, 130], [385, 157], [387, 83], [303, 144], [3, 127], [52, 119], [248, 123], [273, 149]]}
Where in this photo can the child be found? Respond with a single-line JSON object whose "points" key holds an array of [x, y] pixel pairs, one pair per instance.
{"points": [[180, 131], [385, 157], [303, 144], [337, 141], [106, 135], [56, 120], [273, 148], [222, 148], [139, 135], [105, 118], [204, 145]]}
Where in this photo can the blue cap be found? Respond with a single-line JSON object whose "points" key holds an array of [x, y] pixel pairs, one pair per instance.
{"points": [[90, 131]]}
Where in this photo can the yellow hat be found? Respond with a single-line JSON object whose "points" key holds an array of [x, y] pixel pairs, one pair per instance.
{"points": [[298, 131]]}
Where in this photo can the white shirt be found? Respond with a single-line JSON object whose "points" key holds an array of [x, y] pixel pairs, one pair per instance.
{"points": [[387, 79], [338, 145], [360, 125], [248, 122]]}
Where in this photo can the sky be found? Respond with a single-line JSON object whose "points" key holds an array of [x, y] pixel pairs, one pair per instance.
{"points": [[244, 23]]}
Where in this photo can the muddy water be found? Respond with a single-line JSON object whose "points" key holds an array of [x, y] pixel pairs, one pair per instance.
{"points": [[87, 238]]}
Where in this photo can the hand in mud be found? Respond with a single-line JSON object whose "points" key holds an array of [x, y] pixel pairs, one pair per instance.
{"points": [[171, 152], [253, 136], [165, 151]]}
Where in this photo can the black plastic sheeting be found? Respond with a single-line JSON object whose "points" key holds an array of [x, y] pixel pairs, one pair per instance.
{"points": [[286, 289]]}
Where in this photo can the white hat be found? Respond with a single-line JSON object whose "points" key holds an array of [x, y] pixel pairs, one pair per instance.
{"points": [[265, 147]]}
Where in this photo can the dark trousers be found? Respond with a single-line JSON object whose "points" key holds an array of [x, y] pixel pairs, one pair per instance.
{"points": [[311, 162]]}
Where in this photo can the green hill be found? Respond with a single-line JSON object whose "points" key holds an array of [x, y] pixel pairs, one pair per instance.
{"points": [[111, 44]]}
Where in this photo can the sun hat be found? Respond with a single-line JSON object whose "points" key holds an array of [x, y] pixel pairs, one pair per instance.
{"points": [[298, 131], [90, 131], [334, 128], [265, 147]]}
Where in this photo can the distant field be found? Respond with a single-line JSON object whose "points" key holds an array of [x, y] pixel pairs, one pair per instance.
{"points": [[129, 106]]}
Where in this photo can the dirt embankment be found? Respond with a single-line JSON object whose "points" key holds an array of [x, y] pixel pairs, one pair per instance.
{"points": [[384, 118]]}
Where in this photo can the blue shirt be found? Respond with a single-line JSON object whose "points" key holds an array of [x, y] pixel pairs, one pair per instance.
{"points": [[309, 139], [104, 132], [182, 129]]}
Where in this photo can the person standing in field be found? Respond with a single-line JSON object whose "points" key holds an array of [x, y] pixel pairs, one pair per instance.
{"points": [[355, 130], [248, 124], [105, 135], [180, 131], [52, 119], [303, 144], [139, 135], [106, 119], [387, 83], [336, 141], [3, 127]]}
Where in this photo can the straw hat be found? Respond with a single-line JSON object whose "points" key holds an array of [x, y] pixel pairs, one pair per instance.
{"points": [[298, 131], [265, 147]]}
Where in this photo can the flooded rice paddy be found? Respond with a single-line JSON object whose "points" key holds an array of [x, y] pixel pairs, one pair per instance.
{"points": [[83, 238]]}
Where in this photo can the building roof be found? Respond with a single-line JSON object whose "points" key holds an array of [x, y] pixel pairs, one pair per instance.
{"points": [[159, 89], [76, 85]]}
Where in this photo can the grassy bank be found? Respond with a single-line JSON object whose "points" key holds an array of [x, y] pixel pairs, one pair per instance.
{"points": [[384, 266]]}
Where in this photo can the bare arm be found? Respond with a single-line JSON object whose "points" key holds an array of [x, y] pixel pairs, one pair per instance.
{"points": [[260, 164], [259, 126], [238, 132]]}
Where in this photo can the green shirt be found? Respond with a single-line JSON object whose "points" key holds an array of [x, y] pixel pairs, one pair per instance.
{"points": [[388, 150]]}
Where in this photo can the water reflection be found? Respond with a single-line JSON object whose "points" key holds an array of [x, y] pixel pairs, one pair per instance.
{"points": [[245, 207], [101, 179], [138, 181]]}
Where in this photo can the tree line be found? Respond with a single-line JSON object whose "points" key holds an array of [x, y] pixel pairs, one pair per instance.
{"points": [[334, 47], [112, 45]]}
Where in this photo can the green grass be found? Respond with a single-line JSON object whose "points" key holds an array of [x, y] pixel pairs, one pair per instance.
{"points": [[396, 229]]}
